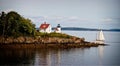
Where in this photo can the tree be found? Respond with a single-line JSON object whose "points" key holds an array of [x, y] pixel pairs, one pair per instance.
{"points": [[26, 27], [2, 23], [13, 24]]}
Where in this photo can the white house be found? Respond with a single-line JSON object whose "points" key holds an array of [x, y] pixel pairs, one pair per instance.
{"points": [[46, 28], [58, 29]]}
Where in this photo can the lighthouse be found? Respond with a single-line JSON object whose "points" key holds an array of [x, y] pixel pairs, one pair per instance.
{"points": [[58, 29]]}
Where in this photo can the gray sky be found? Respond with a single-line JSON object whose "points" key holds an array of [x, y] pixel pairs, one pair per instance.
{"points": [[74, 13]]}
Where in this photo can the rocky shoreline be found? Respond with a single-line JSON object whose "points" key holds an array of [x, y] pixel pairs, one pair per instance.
{"points": [[28, 46], [42, 40], [47, 42]]}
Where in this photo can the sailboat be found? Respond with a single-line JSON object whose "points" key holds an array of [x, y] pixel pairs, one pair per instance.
{"points": [[100, 38]]}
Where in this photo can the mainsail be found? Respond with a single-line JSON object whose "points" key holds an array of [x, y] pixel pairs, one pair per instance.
{"points": [[100, 36]]}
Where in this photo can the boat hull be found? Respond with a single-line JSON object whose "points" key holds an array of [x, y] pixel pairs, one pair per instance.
{"points": [[99, 41]]}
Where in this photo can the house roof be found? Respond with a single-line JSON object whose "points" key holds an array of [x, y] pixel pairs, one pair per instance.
{"points": [[44, 26]]}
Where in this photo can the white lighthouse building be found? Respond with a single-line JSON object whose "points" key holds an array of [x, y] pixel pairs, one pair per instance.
{"points": [[58, 29]]}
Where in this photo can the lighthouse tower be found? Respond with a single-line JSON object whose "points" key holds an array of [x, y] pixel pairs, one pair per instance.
{"points": [[58, 29]]}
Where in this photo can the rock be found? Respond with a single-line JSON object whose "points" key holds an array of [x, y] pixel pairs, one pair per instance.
{"points": [[46, 40]]}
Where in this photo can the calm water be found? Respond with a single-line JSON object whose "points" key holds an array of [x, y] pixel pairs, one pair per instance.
{"points": [[94, 56]]}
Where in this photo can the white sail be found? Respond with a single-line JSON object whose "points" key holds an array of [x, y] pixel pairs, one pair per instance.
{"points": [[101, 36]]}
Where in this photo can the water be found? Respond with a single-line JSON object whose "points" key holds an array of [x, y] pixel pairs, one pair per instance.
{"points": [[94, 56]]}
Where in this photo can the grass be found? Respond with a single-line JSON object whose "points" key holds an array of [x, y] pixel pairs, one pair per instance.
{"points": [[53, 34]]}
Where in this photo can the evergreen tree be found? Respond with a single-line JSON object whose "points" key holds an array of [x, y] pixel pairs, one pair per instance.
{"points": [[13, 24], [2, 23]]}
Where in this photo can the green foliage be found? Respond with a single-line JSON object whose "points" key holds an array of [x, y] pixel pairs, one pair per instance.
{"points": [[26, 27], [12, 24]]}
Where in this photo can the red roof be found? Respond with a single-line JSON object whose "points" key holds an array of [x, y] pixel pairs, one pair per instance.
{"points": [[44, 26]]}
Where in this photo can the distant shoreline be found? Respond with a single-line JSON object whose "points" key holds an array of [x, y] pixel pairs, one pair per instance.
{"points": [[85, 29]]}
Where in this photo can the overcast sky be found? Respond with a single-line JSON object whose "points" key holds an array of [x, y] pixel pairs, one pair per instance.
{"points": [[74, 13]]}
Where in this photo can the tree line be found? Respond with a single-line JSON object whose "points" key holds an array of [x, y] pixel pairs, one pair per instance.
{"points": [[13, 24]]}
